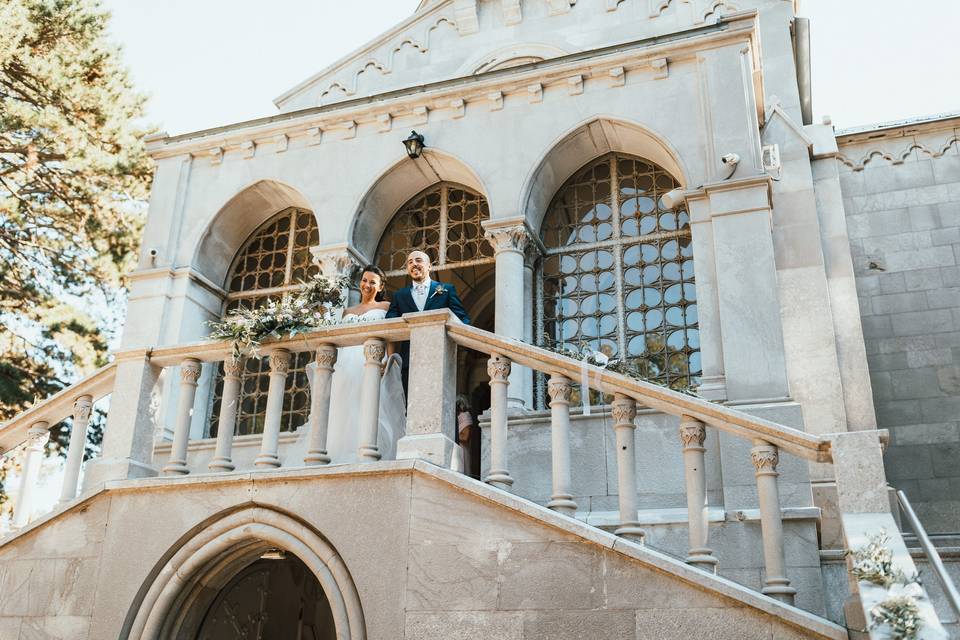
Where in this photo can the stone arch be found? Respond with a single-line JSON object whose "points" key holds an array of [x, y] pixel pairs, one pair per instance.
{"points": [[206, 560], [396, 186], [243, 213], [583, 143]]}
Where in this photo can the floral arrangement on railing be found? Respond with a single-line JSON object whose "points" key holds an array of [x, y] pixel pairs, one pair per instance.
{"points": [[900, 611], [307, 309]]}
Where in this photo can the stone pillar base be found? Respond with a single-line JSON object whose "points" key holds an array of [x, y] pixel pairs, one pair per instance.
{"points": [[435, 448], [101, 470]]}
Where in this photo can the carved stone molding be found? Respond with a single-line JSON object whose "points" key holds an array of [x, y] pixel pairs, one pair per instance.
{"points": [[280, 362], [624, 411], [190, 371], [692, 433], [498, 368], [373, 351], [232, 367], [765, 458], [899, 157], [560, 390]]}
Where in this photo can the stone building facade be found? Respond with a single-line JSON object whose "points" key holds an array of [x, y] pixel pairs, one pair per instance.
{"points": [[638, 176]]}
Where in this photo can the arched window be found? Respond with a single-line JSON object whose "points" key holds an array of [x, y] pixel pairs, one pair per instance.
{"points": [[618, 270], [442, 221], [274, 260]]}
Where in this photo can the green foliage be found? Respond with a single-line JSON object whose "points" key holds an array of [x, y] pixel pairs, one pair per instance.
{"points": [[73, 183]]}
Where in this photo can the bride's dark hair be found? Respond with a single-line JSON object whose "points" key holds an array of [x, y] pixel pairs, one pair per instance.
{"points": [[372, 268]]}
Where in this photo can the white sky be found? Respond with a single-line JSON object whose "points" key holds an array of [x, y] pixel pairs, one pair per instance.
{"points": [[213, 62]]}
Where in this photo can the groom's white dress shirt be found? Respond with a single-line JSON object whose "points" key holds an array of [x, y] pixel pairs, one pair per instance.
{"points": [[420, 292]]}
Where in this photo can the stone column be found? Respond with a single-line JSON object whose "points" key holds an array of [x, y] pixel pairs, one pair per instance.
{"points": [[560, 390], [229, 406], [499, 370], [269, 449], [766, 457], [693, 433], [82, 409], [127, 450], [373, 352], [37, 438], [713, 384], [510, 239], [190, 370], [431, 399], [320, 405], [624, 412]]}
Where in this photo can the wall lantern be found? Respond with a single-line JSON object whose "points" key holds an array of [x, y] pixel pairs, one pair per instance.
{"points": [[414, 145]]}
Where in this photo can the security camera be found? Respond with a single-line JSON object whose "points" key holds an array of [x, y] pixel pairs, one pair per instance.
{"points": [[673, 198], [729, 162]]}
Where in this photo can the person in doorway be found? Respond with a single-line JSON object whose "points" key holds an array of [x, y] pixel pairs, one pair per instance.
{"points": [[424, 295]]}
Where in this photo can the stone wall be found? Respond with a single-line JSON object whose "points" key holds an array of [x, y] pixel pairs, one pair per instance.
{"points": [[430, 553], [902, 202]]}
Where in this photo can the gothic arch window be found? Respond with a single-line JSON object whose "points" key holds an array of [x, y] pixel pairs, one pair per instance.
{"points": [[617, 273], [272, 263], [444, 221]]}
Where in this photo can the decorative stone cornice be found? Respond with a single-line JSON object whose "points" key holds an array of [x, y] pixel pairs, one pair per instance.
{"points": [[593, 66], [935, 150]]}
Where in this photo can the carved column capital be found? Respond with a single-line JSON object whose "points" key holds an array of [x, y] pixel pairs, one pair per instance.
{"points": [[765, 458], [692, 433], [232, 367], [37, 436], [510, 235], [82, 408], [190, 370], [341, 261], [373, 351], [498, 368], [280, 361], [560, 389], [624, 411], [326, 356]]}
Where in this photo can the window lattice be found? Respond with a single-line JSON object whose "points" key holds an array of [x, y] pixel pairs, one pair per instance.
{"points": [[272, 263], [618, 270], [444, 222]]}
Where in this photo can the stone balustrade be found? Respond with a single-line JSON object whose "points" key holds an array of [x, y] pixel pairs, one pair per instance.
{"points": [[434, 338]]}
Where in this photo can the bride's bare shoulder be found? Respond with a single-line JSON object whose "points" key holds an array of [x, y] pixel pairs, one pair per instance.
{"points": [[383, 305], [350, 310]]}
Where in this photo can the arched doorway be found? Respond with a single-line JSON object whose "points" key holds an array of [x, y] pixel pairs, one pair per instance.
{"points": [[274, 597], [444, 221], [617, 274]]}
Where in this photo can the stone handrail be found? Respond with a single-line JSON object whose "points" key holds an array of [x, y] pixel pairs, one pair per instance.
{"points": [[656, 397]]}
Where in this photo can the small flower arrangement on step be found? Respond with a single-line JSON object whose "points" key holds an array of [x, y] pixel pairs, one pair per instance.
{"points": [[899, 612], [299, 312]]}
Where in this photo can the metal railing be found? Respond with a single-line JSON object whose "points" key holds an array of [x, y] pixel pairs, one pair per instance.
{"points": [[930, 551]]}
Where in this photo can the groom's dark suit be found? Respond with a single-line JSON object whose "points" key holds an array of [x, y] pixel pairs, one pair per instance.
{"points": [[403, 302]]}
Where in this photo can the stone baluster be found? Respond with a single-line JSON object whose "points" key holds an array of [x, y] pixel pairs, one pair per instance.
{"points": [[269, 447], [229, 401], [82, 408], [373, 352], [765, 459], [560, 389], [498, 367], [189, 374], [624, 413], [320, 406], [693, 433], [37, 438]]}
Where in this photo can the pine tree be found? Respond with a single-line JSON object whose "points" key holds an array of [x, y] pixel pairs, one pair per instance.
{"points": [[73, 182]]}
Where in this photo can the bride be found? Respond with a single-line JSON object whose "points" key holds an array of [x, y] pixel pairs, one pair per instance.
{"points": [[343, 435]]}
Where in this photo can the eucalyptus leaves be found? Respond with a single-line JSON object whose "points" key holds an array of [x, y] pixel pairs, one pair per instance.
{"points": [[899, 612], [307, 309]]}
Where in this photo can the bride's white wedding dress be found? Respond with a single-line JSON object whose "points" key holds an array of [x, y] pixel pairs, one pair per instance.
{"points": [[343, 431]]}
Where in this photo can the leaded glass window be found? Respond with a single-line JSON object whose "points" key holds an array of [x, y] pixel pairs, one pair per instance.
{"points": [[617, 274], [444, 222], [273, 262]]}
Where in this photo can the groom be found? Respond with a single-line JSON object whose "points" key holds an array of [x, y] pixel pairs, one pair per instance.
{"points": [[424, 295]]}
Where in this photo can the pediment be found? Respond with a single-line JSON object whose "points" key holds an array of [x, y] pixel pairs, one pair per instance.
{"points": [[447, 39]]}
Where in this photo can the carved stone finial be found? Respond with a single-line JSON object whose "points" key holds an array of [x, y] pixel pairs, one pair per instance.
{"points": [[190, 371], [280, 361], [692, 433], [498, 368], [373, 351], [624, 410], [765, 458], [559, 389]]}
